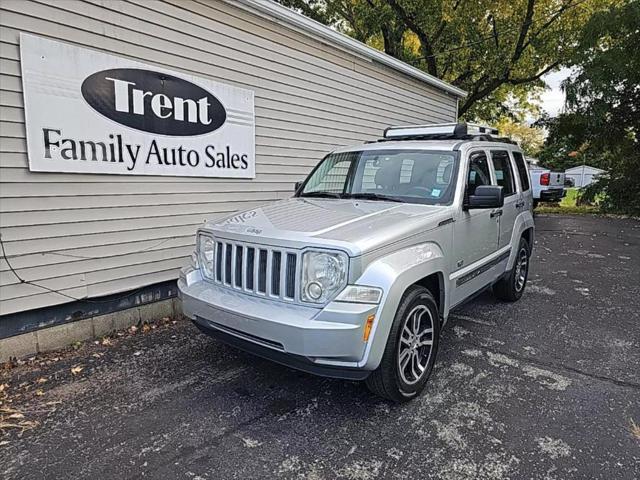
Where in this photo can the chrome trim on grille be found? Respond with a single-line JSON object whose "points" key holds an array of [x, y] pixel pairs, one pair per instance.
{"points": [[237, 266]]}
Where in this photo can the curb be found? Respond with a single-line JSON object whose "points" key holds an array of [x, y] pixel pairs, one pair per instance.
{"points": [[61, 336]]}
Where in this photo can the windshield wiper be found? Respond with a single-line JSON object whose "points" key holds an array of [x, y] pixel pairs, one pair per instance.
{"points": [[374, 196], [321, 194]]}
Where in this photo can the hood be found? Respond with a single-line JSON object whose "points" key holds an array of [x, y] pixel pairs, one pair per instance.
{"points": [[355, 225]]}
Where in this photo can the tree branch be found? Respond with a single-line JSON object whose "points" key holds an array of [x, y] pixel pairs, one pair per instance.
{"points": [[549, 22], [532, 78], [425, 42], [524, 30]]}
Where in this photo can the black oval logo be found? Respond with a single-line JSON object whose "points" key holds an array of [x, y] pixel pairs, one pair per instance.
{"points": [[153, 102]]}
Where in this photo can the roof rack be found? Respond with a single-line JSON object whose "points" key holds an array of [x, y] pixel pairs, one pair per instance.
{"points": [[444, 131]]}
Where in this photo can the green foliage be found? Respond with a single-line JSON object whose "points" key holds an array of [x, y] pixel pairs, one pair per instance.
{"points": [[602, 124], [529, 138], [497, 50]]}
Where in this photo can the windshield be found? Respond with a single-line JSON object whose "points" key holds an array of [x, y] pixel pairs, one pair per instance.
{"points": [[413, 176]]}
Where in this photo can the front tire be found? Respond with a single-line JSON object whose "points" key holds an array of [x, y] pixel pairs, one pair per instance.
{"points": [[511, 287], [411, 348]]}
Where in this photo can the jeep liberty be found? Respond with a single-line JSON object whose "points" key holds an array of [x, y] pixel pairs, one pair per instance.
{"points": [[355, 275]]}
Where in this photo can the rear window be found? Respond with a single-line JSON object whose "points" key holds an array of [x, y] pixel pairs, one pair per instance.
{"points": [[523, 173]]}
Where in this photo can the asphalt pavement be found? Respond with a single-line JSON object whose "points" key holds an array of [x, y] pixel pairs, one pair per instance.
{"points": [[545, 388]]}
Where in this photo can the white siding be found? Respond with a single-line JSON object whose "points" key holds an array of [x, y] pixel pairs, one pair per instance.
{"points": [[91, 235]]}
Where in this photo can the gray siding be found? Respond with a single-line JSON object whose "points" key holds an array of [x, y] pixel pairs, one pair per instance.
{"points": [[91, 235]]}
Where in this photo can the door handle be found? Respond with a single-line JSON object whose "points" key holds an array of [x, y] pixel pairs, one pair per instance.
{"points": [[520, 204], [496, 213]]}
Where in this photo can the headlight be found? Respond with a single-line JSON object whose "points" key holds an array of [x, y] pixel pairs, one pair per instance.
{"points": [[323, 275], [205, 255], [359, 294]]}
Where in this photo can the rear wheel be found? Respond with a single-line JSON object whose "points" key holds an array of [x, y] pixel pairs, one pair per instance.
{"points": [[511, 287], [411, 348]]}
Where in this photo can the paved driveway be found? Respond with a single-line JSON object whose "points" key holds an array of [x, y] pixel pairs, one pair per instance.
{"points": [[544, 388]]}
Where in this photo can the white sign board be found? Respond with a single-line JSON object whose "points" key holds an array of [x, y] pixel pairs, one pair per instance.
{"points": [[89, 112]]}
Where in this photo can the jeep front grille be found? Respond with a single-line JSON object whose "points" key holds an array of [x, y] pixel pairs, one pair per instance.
{"points": [[258, 269]]}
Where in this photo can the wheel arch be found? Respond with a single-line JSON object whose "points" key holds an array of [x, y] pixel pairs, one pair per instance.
{"points": [[434, 282], [422, 264], [528, 235], [522, 228]]}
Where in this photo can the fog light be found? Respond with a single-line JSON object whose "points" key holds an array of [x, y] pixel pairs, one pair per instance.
{"points": [[314, 290]]}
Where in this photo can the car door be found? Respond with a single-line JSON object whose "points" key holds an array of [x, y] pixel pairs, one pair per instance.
{"points": [[475, 235], [504, 175]]}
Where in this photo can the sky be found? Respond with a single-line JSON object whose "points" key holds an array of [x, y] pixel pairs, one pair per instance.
{"points": [[553, 97]]}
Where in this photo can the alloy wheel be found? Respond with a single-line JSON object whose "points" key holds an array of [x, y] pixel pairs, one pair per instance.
{"points": [[416, 344], [522, 263]]}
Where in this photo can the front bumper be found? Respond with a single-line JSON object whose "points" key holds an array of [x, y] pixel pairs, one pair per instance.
{"points": [[326, 341]]}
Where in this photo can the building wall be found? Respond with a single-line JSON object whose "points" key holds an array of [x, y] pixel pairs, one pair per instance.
{"points": [[583, 175], [93, 235]]}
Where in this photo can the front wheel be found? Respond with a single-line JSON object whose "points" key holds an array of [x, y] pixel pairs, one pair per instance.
{"points": [[411, 348], [511, 287]]}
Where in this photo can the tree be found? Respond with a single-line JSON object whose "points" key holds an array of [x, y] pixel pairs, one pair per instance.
{"points": [[497, 50], [529, 138], [602, 123]]}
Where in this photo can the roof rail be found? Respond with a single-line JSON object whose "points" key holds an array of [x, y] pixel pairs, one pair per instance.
{"points": [[444, 131]]}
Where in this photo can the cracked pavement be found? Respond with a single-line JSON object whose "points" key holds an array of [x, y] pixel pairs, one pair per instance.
{"points": [[545, 388]]}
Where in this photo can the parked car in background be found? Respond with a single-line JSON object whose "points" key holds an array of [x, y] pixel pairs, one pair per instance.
{"points": [[547, 186], [355, 275]]}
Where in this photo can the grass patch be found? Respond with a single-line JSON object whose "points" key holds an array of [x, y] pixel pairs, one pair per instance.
{"points": [[568, 205]]}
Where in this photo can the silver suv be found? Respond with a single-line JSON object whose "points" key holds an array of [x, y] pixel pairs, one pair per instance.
{"points": [[355, 275]]}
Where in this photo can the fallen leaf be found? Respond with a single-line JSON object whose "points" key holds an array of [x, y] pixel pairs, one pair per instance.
{"points": [[41, 380], [635, 429], [107, 341], [77, 369], [133, 329], [39, 392], [146, 327]]}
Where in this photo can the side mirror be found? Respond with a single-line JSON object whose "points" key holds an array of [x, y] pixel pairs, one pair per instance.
{"points": [[298, 185], [486, 196]]}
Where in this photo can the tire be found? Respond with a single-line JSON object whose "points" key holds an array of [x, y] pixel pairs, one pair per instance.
{"points": [[511, 287], [391, 381]]}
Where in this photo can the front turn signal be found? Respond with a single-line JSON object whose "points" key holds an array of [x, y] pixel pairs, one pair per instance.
{"points": [[367, 327]]}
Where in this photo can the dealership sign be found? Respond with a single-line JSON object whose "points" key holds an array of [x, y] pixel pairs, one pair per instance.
{"points": [[89, 112]]}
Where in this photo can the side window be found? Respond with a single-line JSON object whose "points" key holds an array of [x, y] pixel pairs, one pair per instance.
{"points": [[523, 172], [478, 172], [504, 174]]}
